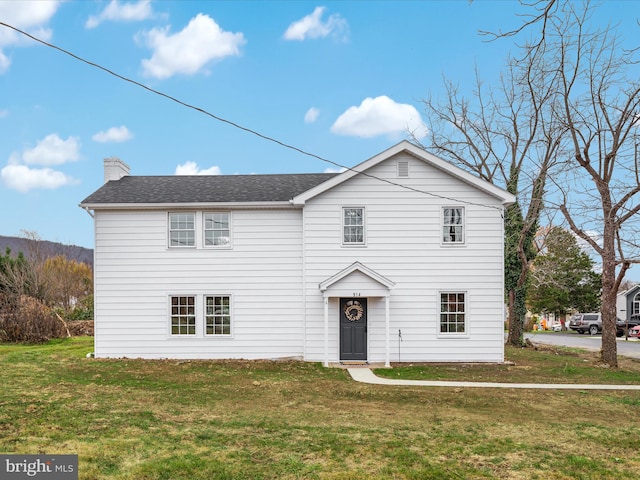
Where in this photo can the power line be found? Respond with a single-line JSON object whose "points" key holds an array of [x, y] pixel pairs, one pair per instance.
{"points": [[234, 124]]}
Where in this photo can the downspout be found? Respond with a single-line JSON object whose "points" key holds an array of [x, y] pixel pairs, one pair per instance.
{"points": [[503, 298], [86, 209], [303, 275], [304, 283]]}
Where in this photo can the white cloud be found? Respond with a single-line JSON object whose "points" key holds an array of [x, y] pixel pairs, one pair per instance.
{"points": [[379, 116], [191, 168], [334, 170], [311, 115], [4, 63], [23, 178], [4, 113], [126, 12], [189, 50], [31, 17], [312, 26], [52, 150], [114, 134]]}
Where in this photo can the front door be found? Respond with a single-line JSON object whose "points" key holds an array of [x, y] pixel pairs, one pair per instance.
{"points": [[353, 329]]}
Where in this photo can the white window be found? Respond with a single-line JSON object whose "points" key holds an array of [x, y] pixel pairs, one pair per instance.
{"points": [[217, 315], [453, 225], [453, 315], [182, 230], [353, 226], [635, 305], [217, 231], [183, 315]]}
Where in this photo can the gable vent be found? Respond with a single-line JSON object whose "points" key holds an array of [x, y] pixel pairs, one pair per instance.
{"points": [[403, 168]]}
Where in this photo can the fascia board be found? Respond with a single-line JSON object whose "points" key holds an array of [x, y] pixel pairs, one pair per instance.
{"points": [[505, 197], [182, 206], [352, 172], [357, 266]]}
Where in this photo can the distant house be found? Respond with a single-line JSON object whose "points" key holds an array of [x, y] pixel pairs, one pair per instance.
{"points": [[628, 302], [397, 259]]}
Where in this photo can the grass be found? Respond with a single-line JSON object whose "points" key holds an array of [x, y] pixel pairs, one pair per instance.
{"points": [[544, 364], [134, 419]]}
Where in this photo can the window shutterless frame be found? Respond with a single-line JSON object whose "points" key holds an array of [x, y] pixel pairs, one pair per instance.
{"points": [[217, 315], [217, 229], [353, 226], [453, 225], [182, 229], [453, 318], [182, 315]]}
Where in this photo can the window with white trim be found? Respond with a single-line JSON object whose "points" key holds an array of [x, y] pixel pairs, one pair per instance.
{"points": [[353, 226], [453, 312], [182, 229], [635, 305], [183, 315], [217, 230], [217, 315], [453, 225]]}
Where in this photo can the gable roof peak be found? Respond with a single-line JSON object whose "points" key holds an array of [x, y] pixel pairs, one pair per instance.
{"points": [[503, 196]]}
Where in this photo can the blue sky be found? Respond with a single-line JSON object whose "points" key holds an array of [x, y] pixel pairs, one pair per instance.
{"points": [[342, 80]]}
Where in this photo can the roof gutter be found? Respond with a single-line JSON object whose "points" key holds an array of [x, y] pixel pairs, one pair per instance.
{"points": [[182, 206], [88, 210]]}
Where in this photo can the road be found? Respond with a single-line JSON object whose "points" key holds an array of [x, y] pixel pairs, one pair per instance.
{"points": [[627, 348]]}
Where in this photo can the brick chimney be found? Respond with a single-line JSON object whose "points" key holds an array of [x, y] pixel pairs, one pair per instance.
{"points": [[114, 169]]}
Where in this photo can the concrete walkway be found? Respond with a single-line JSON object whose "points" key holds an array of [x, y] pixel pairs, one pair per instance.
{"points": [[365, 375]]}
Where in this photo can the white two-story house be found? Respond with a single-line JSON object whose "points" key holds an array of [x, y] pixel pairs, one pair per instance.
{"points": [[398, 259]]}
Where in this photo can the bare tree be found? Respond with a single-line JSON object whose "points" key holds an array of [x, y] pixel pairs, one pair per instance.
{"points": [[509, 137], [597, 103], [600, 94]]}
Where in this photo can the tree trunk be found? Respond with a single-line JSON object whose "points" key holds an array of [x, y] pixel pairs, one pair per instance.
{"points": [[609, 350], [516, 324]]}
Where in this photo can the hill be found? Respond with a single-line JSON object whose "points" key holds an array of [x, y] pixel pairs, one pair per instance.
{"points": [[45, 249]]}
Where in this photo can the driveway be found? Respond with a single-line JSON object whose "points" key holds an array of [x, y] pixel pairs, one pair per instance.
{"points": [[627, 348]]}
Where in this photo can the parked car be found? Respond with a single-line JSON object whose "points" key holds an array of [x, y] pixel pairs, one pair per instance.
{"points": [[635, 331], [623, 325], [586, 322]]}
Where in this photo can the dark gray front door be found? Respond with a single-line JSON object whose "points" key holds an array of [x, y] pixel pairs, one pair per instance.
{"points": [[353, 329]]}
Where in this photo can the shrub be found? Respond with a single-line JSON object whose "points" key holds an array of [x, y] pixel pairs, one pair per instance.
{"points": [[24, 319]]}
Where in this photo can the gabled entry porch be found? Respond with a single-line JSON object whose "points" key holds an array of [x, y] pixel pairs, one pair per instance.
{"points": [[354, 286]]}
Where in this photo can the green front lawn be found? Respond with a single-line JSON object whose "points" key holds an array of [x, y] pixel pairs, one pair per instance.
{"points": [[545, 364], [136, 420]]}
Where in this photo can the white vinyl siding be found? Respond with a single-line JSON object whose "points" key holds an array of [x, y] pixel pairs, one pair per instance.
{"points": [[136, 274], [278, 260], [404, 244]]}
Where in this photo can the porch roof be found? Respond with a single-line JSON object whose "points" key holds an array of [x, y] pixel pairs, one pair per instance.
{"points": [[356, 280]]}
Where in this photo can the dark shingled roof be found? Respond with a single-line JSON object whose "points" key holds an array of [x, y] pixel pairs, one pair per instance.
{"points": [[206, 188]]}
